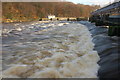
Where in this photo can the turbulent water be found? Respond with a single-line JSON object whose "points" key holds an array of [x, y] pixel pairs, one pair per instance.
{"points": [[48, 50]]}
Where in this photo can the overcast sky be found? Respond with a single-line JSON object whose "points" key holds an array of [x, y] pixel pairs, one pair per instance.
{"points": [[90, 2]]}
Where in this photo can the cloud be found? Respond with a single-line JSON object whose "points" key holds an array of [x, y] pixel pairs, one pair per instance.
{"points": [[117, 0], [95, 2], [101, 2], [31, 0]]}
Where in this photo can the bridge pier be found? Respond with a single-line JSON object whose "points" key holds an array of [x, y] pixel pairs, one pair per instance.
{"points": [[114, 31]]}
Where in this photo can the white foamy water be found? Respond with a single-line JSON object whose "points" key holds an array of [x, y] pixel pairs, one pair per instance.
{"points": [[65, 52]]}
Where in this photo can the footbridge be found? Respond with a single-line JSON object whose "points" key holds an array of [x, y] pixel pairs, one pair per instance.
{"points": [[108, 16]]}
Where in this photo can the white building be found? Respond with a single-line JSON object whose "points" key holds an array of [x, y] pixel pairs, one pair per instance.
{"points": [[51, 16]]}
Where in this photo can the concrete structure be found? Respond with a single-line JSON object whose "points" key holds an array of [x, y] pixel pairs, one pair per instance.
{"points": [[108, 16]]}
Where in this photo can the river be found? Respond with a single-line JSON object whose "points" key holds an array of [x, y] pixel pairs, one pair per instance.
{"points": [[54, 49]]}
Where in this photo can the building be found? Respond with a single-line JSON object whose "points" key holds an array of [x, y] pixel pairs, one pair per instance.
{"points": [[51, 16]]}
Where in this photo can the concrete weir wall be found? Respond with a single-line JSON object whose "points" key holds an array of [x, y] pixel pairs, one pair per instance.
{"points": [[64, 19]]}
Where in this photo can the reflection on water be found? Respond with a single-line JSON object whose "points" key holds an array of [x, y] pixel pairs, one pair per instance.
{"points": [[48, 50]]}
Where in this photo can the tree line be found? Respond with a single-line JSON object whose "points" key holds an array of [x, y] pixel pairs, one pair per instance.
{"points": [[35, 10]]}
